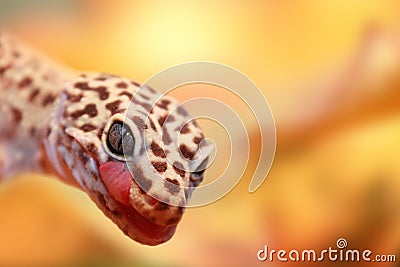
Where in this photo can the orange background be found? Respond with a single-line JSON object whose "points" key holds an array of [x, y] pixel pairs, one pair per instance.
{"points": [[329, 70]]}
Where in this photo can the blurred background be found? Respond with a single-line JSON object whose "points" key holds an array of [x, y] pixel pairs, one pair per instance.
{"points": [[330, 71]]}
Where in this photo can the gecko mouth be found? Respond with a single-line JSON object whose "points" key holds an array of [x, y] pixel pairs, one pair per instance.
{"points": [[118, 182], [143, 230]]}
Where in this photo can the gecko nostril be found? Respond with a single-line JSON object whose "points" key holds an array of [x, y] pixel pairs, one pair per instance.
{"points": [[198, 173]]}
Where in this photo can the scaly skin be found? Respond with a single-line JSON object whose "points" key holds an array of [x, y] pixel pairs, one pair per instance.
{"points": [[77, 126]]}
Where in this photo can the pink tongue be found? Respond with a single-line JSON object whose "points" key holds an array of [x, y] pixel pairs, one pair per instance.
{"points": [[117, 180]]}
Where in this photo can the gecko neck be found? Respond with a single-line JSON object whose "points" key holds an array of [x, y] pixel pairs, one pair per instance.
{"points": [[30, 87]]}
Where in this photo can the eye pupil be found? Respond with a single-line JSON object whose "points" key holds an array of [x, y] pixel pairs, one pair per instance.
{"points": [[120, 140]]}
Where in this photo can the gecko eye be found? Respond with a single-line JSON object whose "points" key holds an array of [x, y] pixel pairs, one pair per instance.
{"points": [[120, 140]]}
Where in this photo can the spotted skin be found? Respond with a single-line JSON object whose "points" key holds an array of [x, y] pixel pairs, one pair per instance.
{"points": [[55, 120]]}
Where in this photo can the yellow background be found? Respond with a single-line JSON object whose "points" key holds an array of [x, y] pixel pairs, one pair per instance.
{"points": [[329, 70]]}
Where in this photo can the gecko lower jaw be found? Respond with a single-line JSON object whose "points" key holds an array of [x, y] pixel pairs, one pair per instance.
{"points": [[118, 182], [143, 230]]}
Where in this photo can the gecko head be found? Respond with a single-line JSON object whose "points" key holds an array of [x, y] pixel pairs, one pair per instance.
{"points": [[136, 153]]}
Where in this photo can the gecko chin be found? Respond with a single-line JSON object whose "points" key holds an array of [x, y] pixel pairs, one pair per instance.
{"points": [[118, 182]]}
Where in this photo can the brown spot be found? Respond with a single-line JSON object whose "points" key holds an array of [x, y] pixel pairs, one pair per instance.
{"points": [[135, 84], [170, 118], [182, 111], [74, 98], [82, 85], [195, 123], [34, 93], [100, 132], [185, 129], [116, 213], [125, 93], [157, 150], [103, 93], [101, 79], [140, 124], [166, 138], [82, 156], [102, 200], [91, 147], [17, 114], [25, 82], [144, 97], [146, 106], [186, 152], [84, 184], [152, 125], [101, 90], [48, 99], [174, 181], [121, 85], [151, 89], [163, 104], [16, 54], [113, 106], [178, 167], [161, 120], [159, 166], [141, 179], [162, 206], [4, 69], [197, 139], [87, 127], [89, 109]]}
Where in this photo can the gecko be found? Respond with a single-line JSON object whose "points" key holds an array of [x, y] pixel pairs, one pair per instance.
{"points": [[76, 126]]}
